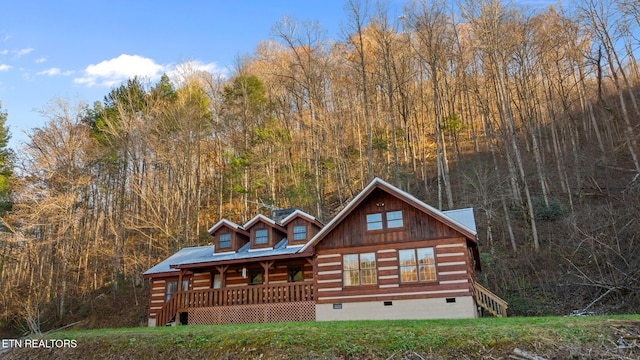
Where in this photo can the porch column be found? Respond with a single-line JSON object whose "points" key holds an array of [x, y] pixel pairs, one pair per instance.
{"points": [[266, 265], [222, 270]]}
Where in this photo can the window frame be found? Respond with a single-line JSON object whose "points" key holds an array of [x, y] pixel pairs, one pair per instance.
{"points": [[419, 269], [361, 272], [388, 221], [266, 237], [371, 221], [294, 233], [253, 274], [384, 223], [220, 241], [295, 270], [173, 285]]}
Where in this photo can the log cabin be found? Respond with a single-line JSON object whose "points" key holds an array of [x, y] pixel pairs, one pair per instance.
{"points": [[386, 255]]}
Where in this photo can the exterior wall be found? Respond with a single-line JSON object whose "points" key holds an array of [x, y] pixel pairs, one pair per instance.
{"points": [[201, 281], [452, 269], [436, 308], [417, 225], [278, 273]]}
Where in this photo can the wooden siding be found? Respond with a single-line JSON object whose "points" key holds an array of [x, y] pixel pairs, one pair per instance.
{"points": [[352, 231], [452, 267]]}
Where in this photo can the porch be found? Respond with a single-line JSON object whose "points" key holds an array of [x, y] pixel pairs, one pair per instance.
{"points": [[241, 304]]}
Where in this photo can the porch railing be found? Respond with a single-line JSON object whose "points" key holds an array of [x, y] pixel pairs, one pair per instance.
{"points": [[490, 301], [229, 296]]}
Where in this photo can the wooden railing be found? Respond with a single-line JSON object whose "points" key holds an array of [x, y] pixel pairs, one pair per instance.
{"points": [[245, 295], [168, 311], [490, 301]]}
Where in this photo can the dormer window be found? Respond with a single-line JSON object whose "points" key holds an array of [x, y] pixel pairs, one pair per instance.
{"points": [[374, 221], [224, 241], [262, 237], [299, 233]]}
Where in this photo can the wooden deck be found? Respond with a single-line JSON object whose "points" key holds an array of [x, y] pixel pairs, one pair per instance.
{"points": [[182, 301]]}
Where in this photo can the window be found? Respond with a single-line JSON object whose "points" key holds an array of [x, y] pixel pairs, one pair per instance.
{"points": [[217, 281], [417, 265], [374, 221], [394, 219], [359, 269], [295, 274], [171, 288], [224, 241], [255, 277], [262, 237], [300, 232]]}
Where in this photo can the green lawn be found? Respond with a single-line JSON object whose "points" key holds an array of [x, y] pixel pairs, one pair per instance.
{"points": [[448, 339]]}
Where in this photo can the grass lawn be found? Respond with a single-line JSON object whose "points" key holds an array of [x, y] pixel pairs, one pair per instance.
{"points": [[552, 337]]}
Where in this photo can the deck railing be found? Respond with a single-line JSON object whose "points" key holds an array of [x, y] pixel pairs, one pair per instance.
{"points": [[490, 301], [229, 296]]}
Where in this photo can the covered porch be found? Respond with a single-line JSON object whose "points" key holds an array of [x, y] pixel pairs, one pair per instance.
{"points": [[257, 291]]}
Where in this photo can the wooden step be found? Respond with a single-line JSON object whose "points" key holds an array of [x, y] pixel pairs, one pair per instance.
{"points": [[490, 301]]}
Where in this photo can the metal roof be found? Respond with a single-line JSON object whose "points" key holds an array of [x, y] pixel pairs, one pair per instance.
{"points": [[183, 255], [205, 254]]}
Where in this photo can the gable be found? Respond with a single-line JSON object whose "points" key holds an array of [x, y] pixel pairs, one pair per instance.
{"points": [[372, 194], [417, 225]]}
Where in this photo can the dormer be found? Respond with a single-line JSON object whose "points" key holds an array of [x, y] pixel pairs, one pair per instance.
{"points": [[301, 227], [228, 236], [264, 233]]}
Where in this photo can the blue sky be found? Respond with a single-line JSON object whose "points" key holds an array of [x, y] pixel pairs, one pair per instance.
{"points": [[79, 49]]}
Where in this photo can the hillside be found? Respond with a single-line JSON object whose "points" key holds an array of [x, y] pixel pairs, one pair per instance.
{"points": [[584, 338], [530, 118]]}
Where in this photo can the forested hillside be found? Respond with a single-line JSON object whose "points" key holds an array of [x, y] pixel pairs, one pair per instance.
{"points": [[529, 117]]}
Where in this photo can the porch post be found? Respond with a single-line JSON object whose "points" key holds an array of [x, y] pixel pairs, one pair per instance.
{"points": [[266, 265], [222, 270]]}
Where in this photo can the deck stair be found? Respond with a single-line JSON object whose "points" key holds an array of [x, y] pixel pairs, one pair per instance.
{"points": [[490, 301]]}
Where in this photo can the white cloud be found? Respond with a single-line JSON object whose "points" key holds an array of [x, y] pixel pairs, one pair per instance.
{"points": [[51, 72], [4, 52], [21, 52], [114, 71], [4, 67], [41, 60]]}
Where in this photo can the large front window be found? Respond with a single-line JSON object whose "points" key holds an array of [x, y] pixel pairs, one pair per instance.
{"points": [[359, 269], [417, 265], [262, 237]]}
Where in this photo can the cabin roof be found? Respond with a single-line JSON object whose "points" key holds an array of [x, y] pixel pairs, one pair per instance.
{"points": [[164, 267], [460, 220], [264, 219], [300, 213], [463, 216], [198, 256], [226, 222]]}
